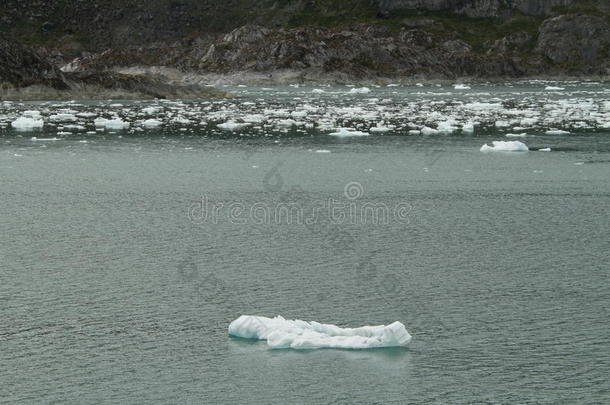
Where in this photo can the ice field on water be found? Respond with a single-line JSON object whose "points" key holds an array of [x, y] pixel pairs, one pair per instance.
{"points": [[115, 288]]}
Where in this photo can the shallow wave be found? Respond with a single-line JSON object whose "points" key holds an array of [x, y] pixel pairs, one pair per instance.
{"points": [[281, 333]]}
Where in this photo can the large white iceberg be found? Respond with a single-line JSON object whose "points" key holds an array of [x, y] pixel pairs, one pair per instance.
{"points": [[27, 123], [505, 146], [281, 333]]}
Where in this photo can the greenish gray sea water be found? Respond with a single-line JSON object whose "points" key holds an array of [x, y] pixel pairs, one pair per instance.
{"points": [[126, 253]]}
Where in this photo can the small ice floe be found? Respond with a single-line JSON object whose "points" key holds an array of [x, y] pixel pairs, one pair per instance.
{"points": [[341, 132], [380, 128], [281, 333], [544, 150], [553, 88], [322, 151], [151, 123], [461, 87], [446, 127], [62, 117], [428, 131], [557, 132], [360, 90], [254, 118], [414, 132], [115, 123], [27, 124], [468, 127], [151, 110], [35, 139], [86, 114], [521, 135], [318, 91], [505, 146], [233, 126]]}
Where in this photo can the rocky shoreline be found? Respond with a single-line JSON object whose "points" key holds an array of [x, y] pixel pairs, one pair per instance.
{"points": [[421, 47]]}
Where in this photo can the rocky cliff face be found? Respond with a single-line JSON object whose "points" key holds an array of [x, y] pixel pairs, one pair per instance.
{"points": [[415, 45], [478, 8], [576, 43], [20, 67]]}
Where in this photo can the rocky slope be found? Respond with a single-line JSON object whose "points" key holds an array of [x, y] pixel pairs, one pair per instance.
{"points": [[171, 48], [26, 75], [481, 8], [567, 45]]}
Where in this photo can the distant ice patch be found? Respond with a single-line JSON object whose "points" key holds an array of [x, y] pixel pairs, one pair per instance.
{"points": [[151, 123], [553, 88], [505, 146], [557, 132], [360, 90], [461, 87], [341, 132], [27, 124], [115, 123], [233, 126], [281, 333]]}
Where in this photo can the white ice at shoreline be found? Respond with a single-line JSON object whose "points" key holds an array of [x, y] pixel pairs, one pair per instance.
{"points": [[116, 123], [151, 123], [232, 126], [341, 132], [360, 90], [281, 333], [505, 146], [27, 123]]}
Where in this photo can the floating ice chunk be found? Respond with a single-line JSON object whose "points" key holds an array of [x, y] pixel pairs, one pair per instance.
{"points": [[116, 123], [468, 127], [415, 131], [322, 151], [446, 127], [62, 117], [43, 139], [428, 131], [553, 88], [483, 106], [505, 146], [27, 124], [86, 114], [318, 91], [556, 132], [151, 110], [254, 118], [151, 123], [522, 135], [233, 126], [341, 132], [287, 123], [360, 90], [502, 124], [298, 114], [283, 334], [181, 120], [544, 150], [31, 114], [461, 87], [380, 128]]}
